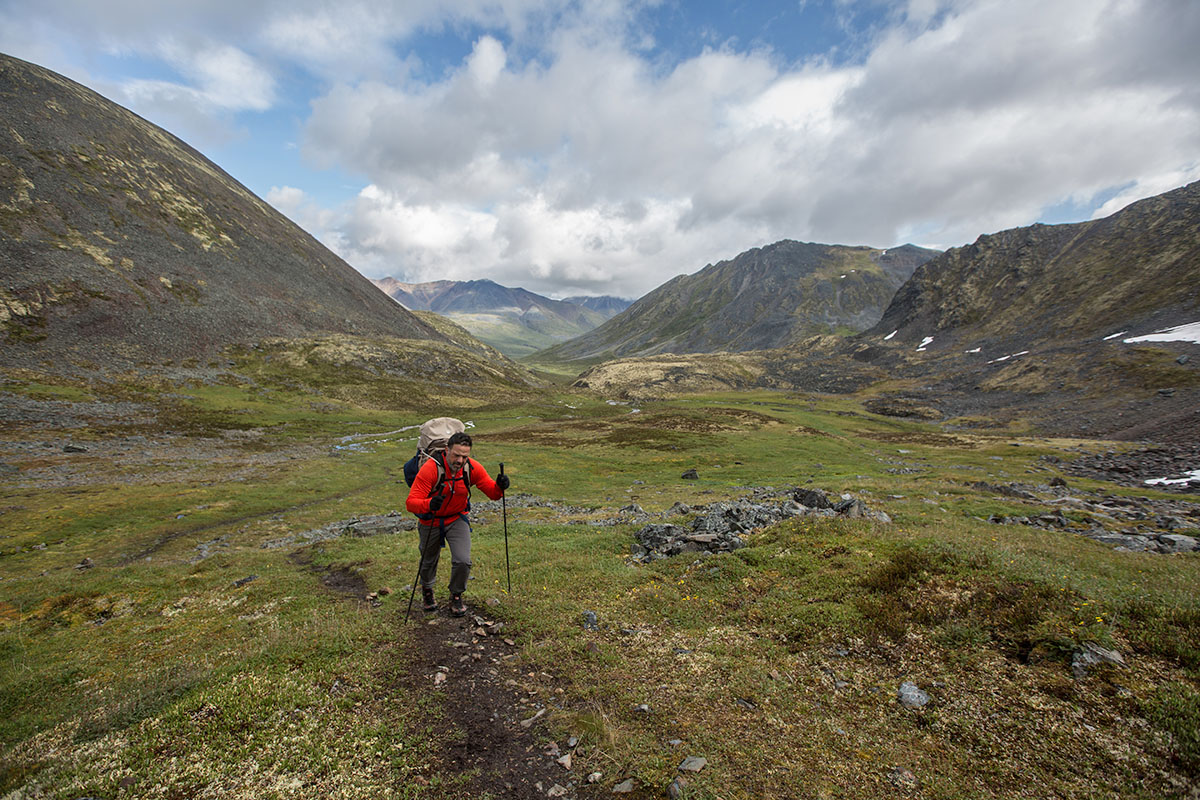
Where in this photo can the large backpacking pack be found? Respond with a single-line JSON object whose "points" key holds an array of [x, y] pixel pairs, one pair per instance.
{"points": [[431, 443]]}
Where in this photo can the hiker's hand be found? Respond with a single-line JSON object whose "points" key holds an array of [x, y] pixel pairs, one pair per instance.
{"points": [[435, 502], [502, 482]]}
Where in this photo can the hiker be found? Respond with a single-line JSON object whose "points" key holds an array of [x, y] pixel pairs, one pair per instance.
{"points": [[441, 503]]}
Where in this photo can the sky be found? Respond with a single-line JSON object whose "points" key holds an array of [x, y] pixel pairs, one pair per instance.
{"points": [[606, 146]]}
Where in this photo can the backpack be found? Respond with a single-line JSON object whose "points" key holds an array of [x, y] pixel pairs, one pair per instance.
{"points": [[432, 442]]}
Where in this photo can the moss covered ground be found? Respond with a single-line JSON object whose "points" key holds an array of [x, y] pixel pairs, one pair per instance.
{"points": [[151, 646]]}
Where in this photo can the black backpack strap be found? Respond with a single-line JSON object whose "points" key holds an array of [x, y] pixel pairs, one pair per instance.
{"points": [[439, 461]]}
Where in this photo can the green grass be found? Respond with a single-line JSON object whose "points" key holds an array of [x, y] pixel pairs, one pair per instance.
{"points": [[152, 673]]}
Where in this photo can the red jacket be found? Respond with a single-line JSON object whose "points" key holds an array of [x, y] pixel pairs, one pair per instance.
{"points": [[454, 489]]}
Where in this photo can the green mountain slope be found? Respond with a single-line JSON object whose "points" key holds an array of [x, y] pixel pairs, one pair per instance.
{"points": [[1137, 270], [767, 297], [122, 245]]}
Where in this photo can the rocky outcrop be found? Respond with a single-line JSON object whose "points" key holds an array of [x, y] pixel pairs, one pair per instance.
{"points": [[1138, 524], [721, 527]]}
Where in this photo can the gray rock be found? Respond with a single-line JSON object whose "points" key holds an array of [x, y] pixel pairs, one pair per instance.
{"points": [[590, 621], [853, 508], [911, 696], [690, 475], [811, 498], [678, 788], [624, 787], [1177, 543], [1093, 655], [693, 764]]}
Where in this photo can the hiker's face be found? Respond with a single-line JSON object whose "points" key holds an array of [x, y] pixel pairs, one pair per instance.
{"points": [[456, 456]]}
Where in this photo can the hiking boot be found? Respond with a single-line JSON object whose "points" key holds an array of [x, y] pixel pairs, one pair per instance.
{"points": [[457, 607], [427, 601]]}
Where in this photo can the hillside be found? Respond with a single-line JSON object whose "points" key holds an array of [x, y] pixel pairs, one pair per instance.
{"points": [[1027, 327], [607, 305], [515, 321], [1137, 270], [122, 245], [766, 297]]}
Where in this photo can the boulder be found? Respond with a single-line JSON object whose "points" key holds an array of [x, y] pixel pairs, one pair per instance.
{"points": [[1177, 543], [811, 498], [911, 696], [1092, 655]]}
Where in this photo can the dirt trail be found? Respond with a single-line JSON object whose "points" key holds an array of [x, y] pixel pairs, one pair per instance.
{"points": [[490, 732]]}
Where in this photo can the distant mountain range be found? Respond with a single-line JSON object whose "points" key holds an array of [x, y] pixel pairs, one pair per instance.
{"points": [[122, 245], [1036, 326], [516, 322], [767, 297]]}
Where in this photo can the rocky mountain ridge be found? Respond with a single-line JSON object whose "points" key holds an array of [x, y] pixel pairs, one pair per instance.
{"points": [[766, 297], [1133, 272]]}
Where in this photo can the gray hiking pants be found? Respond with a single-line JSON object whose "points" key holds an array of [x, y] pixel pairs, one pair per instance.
{"points": [[458, 537]]}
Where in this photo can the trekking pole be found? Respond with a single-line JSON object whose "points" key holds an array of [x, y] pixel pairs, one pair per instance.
{"points": [[420, 558], [504, 509]]}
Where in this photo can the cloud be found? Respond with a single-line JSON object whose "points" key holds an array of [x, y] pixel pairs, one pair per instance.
{"points": [[966, 117], [561, 146]]}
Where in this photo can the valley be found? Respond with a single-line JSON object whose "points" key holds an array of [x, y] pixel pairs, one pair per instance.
{"points": [[173, 626], [818, 520]]}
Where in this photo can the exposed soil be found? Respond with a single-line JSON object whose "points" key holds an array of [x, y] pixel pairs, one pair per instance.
{"points": [[487, 733], [488, 730]]}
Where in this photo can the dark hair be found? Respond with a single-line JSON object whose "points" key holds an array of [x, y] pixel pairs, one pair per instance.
{"points": [[458, 438]]}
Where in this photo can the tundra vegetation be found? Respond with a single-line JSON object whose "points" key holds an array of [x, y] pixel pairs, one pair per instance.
{"points": [[152, 646]]}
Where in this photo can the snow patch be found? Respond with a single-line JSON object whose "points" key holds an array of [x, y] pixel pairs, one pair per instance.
{"points": [[928, 340], [890, 335], [1006, 358], [1115, 335], [976, 350], [1194, 475], [1180, 333]]}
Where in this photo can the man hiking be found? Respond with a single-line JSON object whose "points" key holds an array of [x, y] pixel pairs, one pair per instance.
{"points": [[440, 497]]}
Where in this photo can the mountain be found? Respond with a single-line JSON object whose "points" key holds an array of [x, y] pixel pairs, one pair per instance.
{"points": [[764, 298], [1138, 269], [606, 304], [1028, 327], [516, 322], [122, 245]]}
